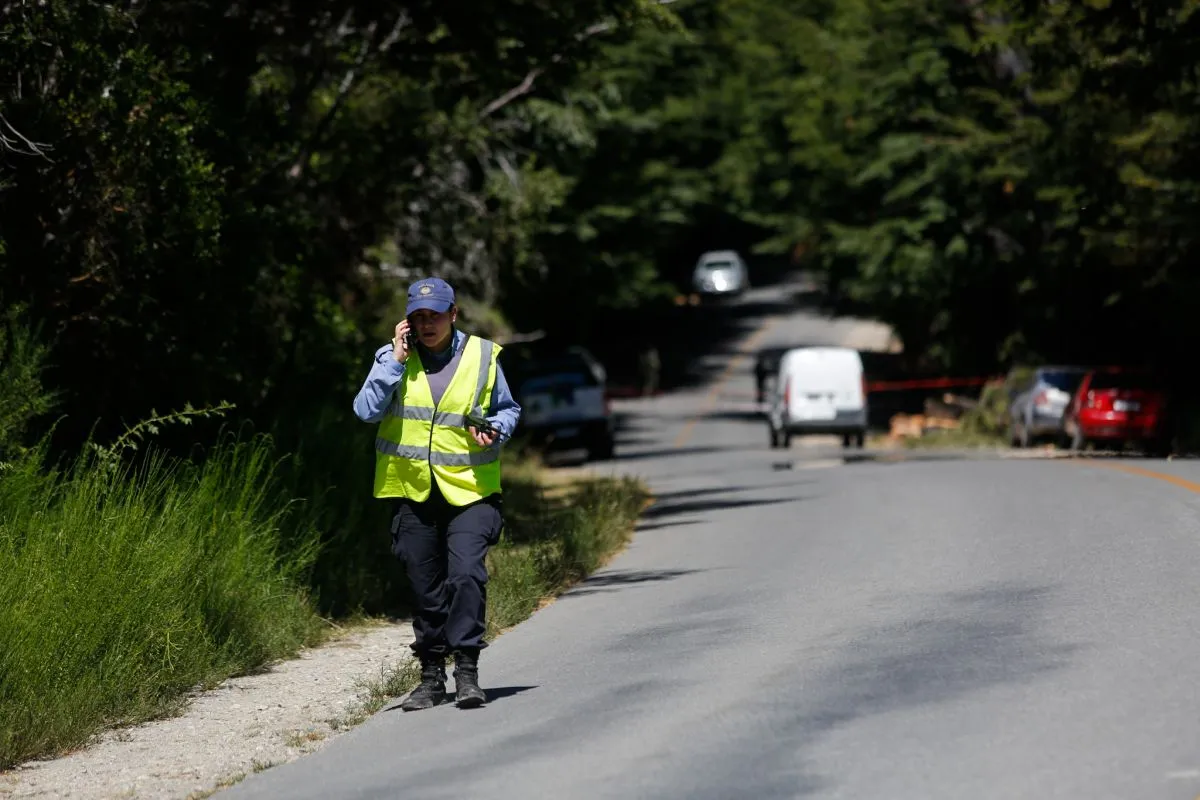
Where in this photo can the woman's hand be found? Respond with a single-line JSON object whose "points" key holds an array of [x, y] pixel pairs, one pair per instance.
{"points": [[483, 439], [400, 343]]}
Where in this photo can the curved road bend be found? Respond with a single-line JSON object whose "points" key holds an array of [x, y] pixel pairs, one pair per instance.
{"points": [[785, 625]]}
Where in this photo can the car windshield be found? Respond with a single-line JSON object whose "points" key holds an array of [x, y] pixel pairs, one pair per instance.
{"points": [[563, 370], [717, 265], [557, 383], [1061, 379]]}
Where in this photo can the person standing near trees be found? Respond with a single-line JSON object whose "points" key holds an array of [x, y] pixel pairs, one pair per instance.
{"points": [[444, 409], [651, 369]]}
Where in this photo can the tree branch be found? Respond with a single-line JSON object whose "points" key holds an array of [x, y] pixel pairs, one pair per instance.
{"points": [[13, 140], [345, 87], [522, 88], [526, 84]]}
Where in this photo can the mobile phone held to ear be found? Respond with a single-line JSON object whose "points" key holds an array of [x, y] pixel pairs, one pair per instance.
{"points": [[481, 424], [410, 339]]}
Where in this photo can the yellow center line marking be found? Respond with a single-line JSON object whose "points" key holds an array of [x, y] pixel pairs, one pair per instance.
{"points": [[714, 392], [1175, 480]]}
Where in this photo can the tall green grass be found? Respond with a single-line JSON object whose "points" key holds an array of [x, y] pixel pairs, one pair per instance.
{"points": [[332, 464], [120, 591], [555, 537]]}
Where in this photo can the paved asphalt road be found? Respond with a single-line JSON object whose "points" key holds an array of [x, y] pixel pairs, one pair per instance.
{"points": [[789, 625]]}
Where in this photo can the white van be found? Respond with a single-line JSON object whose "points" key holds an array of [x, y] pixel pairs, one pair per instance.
{"points": [[819, 390]]}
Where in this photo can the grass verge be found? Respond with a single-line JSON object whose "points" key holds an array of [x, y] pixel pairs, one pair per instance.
{"points": [[555, 536], [122, 590]]}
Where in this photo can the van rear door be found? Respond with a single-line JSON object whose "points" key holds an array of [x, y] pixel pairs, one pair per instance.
{"points": [[824, 381]]}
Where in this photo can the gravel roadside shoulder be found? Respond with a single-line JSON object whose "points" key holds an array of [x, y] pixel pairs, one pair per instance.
{"points": [[243, 726]]}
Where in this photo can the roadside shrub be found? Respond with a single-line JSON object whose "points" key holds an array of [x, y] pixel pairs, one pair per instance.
{"points": [[23, 397], [555, 538], [989, 417], [119, 592]]}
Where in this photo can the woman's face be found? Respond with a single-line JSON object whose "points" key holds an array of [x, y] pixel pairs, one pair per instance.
{"points": [[433, 328]]}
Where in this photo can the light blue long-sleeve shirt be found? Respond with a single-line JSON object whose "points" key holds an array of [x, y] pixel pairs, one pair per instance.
{"points": [[375, 396]]}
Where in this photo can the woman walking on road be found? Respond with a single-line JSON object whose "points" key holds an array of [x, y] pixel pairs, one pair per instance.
{"points": [[444, 409]]}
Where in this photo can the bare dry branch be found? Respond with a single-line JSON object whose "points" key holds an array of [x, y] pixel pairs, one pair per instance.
{"points": [[522, 88], [526, 84], [14, 141]]}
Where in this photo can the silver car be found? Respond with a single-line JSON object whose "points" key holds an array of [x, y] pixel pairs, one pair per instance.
{"points": [[1038, 401], [720, 272]]}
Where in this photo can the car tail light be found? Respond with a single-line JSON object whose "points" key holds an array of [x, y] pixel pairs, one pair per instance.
{"points": [[1101, 401], [787, 394]]}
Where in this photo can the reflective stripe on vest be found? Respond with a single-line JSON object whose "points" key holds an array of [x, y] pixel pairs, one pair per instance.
{"points": [[418, 443], [436, 459]]}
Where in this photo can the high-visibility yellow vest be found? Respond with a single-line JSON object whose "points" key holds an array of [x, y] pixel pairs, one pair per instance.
{"points": [[418, 440]]}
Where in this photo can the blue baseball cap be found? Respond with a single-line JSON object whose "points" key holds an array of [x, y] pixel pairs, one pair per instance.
{"points": [[431, 293]]}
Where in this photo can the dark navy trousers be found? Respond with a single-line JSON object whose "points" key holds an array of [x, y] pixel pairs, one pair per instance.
{"points": [[443, 548]]}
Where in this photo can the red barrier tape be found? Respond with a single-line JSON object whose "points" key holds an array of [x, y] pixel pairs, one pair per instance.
{"points": [[925, 383], [616, 392]]}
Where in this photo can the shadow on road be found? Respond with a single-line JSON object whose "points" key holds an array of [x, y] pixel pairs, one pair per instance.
{"points": [[671, 452], [701, 506], [964, 643], [493, 694], [608, 581], [501, 692], [666, 497], [658, 526], [636, 441], [739, 415]]}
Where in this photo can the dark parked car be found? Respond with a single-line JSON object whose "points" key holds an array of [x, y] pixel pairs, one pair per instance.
{"points": [[564, 399]]}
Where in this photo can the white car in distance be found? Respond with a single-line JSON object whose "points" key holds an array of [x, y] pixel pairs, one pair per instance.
{"points": [[720, 272]]}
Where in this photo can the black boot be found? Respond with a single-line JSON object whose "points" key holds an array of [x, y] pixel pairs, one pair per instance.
{"points": [[466, 681], [432, 689]]}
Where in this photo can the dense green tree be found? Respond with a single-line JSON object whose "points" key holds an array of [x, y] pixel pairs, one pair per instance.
{"points": [[196, 194], [210, 201]]}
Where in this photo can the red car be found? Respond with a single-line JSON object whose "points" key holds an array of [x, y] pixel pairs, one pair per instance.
{"points": [[1116, 406]]}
